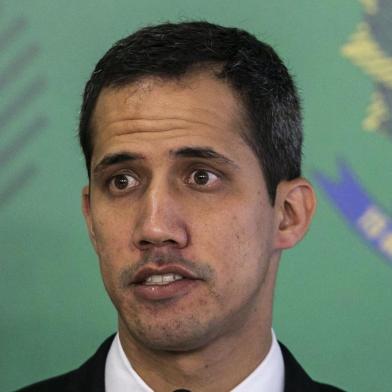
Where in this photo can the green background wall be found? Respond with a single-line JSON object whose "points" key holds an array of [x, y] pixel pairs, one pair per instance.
{"points": [[334, 296]]}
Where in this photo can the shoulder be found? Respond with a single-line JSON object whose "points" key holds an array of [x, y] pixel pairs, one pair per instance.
{"points": [[328, 388], [88, 377], [297, 380], [59, 383]]}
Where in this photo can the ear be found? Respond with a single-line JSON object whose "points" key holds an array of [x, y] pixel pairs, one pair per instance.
{"points": [[295, 204], [86, 208]]}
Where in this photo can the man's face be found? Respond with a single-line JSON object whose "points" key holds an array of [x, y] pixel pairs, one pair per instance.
{"points": [[179, 214]]}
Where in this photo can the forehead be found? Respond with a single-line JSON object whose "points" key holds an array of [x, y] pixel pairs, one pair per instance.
{"points": [[198, 107]]}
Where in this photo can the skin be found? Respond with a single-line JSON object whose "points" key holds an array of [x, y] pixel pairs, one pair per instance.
{"points": [[154, 210]]}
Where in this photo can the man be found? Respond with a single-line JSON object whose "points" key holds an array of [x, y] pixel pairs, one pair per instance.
{"points": [[192, 138]]}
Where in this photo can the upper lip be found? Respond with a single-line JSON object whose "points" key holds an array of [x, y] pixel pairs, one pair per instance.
{"points": [[145, 272]]}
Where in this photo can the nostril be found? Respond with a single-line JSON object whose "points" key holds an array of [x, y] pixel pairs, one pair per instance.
{"points": [[146, 243], [169, 242]]}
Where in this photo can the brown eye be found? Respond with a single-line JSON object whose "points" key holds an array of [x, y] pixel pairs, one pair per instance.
{"points": [[123, 181], [203, 177]]}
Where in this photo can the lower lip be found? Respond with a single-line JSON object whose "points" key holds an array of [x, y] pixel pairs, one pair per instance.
{"points": [[172, 290]]}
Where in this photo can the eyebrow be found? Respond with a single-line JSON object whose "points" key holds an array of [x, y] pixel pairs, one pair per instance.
{"points": [[202, 152], [185, 152], [115, 159]]}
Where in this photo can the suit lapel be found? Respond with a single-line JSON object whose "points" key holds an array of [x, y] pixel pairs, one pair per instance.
{"points": [[296, 379], [91, 375]]}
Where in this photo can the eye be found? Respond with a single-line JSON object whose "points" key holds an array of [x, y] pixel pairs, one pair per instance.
{"points": [[202, 177], [122, 182]]}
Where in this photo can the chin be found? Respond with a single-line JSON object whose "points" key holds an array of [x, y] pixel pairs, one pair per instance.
{"points": [[174, 335]]}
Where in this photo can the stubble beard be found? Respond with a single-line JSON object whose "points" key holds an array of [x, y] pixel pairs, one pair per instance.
{"points": [[179, 327], [181, 330], [176, 330]]}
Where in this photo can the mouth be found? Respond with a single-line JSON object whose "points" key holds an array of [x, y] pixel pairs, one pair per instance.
{"points": [[168, 282], [167, 274], [161, 280]]}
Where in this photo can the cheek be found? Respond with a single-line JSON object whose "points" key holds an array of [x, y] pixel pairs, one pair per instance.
{"points": [[112, 239], [236, 244]]}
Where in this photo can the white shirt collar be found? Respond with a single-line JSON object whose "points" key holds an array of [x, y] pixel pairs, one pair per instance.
{"points": [[120, 376], [269, 375]]}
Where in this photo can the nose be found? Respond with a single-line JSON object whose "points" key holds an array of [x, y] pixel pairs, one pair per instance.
{"points": [[159, 220]]}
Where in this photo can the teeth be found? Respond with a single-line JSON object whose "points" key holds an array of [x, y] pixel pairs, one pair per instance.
{"points": [[162, 279]]}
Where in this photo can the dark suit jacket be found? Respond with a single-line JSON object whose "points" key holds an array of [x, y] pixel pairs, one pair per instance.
{"points": [[90, 376]]}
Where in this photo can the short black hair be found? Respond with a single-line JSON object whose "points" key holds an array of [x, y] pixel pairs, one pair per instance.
{"points": [[251, 67]]}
